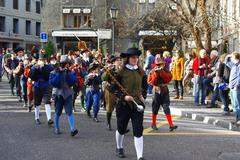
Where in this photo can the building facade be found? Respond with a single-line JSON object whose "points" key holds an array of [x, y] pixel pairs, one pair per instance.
{"points": [[20, 23], [66, 21], [229, 29]]}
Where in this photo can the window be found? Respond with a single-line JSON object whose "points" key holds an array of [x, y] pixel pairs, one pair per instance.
{"points": [[77, 21], [142, 1], [2, 24], [28, 27], [38, 28], [87, 21], [151, 1], [28, 5], [2, 3], [68, 22], [15, 4], [15, 25], [38, 7]]}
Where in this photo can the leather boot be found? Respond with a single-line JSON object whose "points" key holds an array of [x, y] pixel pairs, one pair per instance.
{"points": [[109, 115]]}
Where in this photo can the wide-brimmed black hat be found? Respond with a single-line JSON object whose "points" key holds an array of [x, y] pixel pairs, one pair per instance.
{"points": [[27, 56], [93, 66], [42, 56], [64, 59], [114, 58], [131, 52], [18, 49]]}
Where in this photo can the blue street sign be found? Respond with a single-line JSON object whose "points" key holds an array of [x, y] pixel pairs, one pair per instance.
{"points": [[43, 37]]}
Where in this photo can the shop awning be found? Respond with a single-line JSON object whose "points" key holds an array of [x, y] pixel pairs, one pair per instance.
{"points": [[70, 33], [156, 33]]}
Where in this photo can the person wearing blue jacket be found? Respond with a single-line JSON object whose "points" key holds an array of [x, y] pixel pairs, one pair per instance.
{"points": [[42, 89], [62, 79], [93, 94]]}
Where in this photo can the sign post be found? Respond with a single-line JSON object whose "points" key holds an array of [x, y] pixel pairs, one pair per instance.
{"points": [[43, 38], [103, 34]]}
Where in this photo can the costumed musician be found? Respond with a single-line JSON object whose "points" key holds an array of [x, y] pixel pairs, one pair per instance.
{"points": [[159, 78]]}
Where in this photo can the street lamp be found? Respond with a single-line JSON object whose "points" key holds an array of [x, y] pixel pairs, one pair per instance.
{"points": [[113, 14]]}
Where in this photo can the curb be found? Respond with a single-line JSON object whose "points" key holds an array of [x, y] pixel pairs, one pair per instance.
{"points": [[205, 119]]}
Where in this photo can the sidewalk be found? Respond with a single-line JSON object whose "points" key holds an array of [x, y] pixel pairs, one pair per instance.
{"points": [[186, 108]]}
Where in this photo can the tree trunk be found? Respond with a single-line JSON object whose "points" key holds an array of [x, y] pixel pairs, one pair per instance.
{"points": [[207, 27], [197, 37]]}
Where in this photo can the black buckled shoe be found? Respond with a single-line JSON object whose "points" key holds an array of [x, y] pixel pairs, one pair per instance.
{"points": [[154, 127], [127, 130], [57, 131], [74, 132], [50, 122], [171, 128], [96, 119], [109, 127], [30, 108], [89, 114], [120, 153], [37, 122], [141, 158]]}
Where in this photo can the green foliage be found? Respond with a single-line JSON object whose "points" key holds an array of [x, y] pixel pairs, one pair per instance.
{"points": [[134, 45], [225, 48], [49, 48]]}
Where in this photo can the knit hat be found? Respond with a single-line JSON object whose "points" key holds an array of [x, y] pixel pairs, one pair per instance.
{"points": [[93, 66], [64, 59], [78, 60], [214, 52]]}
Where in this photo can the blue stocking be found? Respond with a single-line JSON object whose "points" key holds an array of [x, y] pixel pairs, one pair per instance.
{"points": [[57, 121], [71, 122]]}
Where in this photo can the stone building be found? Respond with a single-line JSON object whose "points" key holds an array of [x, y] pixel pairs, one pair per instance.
{"points": [[20, 23], [229, 25], [63, 20]]}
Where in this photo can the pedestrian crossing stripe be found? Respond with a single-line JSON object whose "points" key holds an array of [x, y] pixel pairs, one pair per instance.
{"points": [[148, 130], [193, 134]]}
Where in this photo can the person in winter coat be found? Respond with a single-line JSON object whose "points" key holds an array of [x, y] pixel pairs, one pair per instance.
{"points": [[178, 73]]}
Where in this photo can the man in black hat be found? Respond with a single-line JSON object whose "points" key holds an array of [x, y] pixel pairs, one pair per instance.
{"points": [[130, 77], [62, 79], [42, 89], [113, 67], [79, 87], [93, 95], [24, 78], [14, 69]]}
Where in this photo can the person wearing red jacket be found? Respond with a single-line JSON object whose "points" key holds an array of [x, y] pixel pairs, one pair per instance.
{"points": [[200, 68], [159, 78], [79, 87]]}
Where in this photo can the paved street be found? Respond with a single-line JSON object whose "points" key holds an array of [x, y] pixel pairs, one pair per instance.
{"points": [[21, 139]]}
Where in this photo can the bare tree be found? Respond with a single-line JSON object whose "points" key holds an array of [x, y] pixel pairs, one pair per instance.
{"points": [[199, 17]]}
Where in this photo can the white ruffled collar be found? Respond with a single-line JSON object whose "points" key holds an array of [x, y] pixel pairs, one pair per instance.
{"points": [[131, 67]]}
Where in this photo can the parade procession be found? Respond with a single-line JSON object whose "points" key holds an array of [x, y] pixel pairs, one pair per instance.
{"points": [[129, 79]]}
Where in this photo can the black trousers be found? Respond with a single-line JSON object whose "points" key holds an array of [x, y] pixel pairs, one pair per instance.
{"points": [[11, 81], [176, 84], [124, 113], [18, 85], [163, 100], [44, 93]]}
